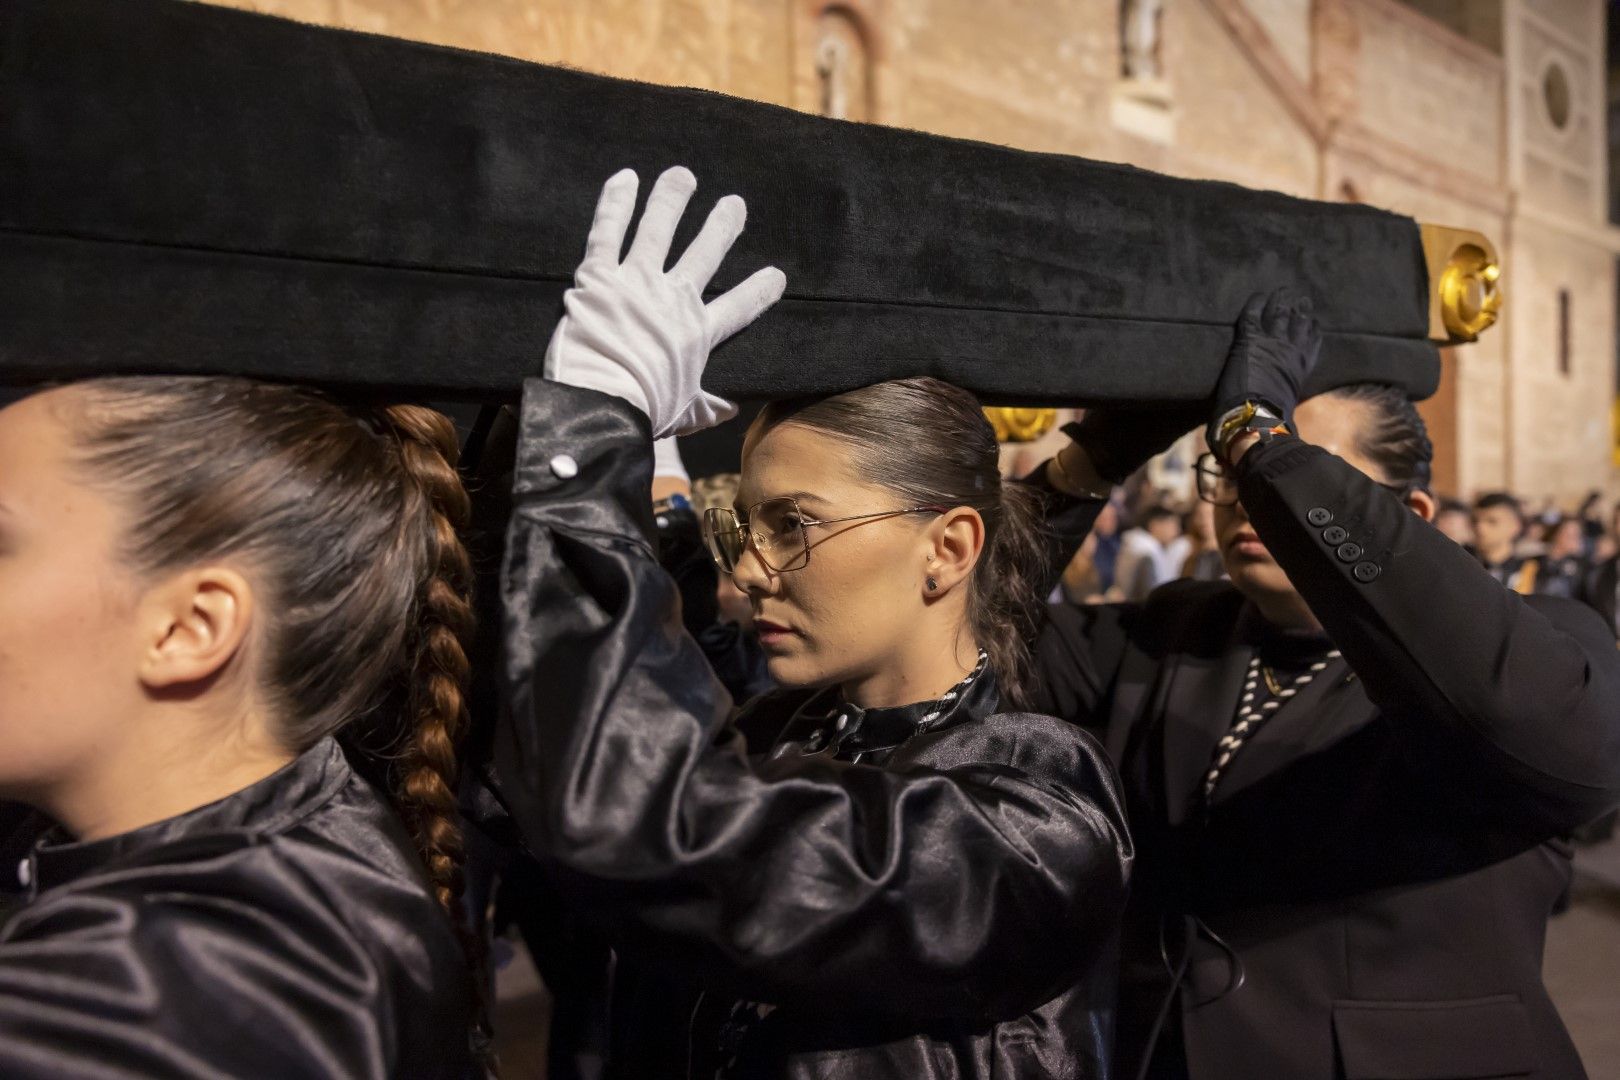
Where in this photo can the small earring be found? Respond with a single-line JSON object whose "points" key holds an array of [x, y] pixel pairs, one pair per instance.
{"points": [[932, 584]]}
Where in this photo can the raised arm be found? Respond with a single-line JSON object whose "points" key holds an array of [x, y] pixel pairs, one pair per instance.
{"points": [[1516, 699], [1521, 692], [1105, 447], [975, 878]]}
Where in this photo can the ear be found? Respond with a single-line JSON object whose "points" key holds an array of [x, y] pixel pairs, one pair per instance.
{"points": [[957, 540], [1422, 504], [193, 625]]}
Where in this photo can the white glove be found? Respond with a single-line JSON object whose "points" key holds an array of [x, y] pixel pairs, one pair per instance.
{"points": [[635, 332], [667, 463]]}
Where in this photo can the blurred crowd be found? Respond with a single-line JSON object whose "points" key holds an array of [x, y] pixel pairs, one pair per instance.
{"points": [[1150, 535]]}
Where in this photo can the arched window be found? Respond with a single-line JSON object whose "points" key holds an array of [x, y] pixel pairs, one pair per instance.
{"points": [[1141, 40], [843, 65]]}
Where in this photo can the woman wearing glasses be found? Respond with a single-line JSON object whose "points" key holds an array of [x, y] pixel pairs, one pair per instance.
{"points": [[1348, 767], [905, 876]]}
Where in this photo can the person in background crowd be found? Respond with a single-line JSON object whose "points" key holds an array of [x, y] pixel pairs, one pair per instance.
{"points": [[1498, 526], [1105, 548], [1454, 521], [724, 627], [1546, 516], [1607, 545], [1088, 578], [1558, 568], [1152, 553], [1348, 769], [1564, 568], [713, 610], [1593, 529], [721, 490]]}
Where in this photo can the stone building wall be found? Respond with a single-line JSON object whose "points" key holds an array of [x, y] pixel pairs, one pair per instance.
{"points": [[1411, 148], [1434, 108], [1558, 435]]}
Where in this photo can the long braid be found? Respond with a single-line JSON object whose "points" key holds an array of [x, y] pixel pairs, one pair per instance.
{"points": [[439, 668], [366, 642], [426, 771]]}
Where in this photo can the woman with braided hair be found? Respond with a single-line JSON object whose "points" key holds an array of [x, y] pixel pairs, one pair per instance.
{"points": [[214, 594]]}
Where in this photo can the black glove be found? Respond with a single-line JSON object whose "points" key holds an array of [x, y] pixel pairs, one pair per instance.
{"points": [[1120, 441], [1276, 347]]}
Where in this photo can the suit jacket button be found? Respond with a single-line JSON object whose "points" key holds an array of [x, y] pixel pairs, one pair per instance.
{"points": [[1366, 571], [1319, 516], [1335, 534], [1349, 551]]}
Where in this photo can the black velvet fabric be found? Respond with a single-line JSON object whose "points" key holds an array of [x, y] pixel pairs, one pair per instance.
{"points": [[195, 189]]}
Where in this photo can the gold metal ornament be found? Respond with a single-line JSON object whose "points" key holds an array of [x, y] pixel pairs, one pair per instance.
{"points": [[1614, 429], [1020, 425], [1465, 292]]}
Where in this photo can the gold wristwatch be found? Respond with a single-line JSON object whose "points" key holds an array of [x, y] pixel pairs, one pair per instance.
{"points": [[1250, 417]]}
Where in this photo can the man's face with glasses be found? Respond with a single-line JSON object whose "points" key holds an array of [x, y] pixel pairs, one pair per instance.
{"points": [[829, 561]]}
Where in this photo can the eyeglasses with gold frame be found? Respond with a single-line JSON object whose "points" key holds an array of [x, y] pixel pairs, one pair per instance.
{"points": [[777, 529]]}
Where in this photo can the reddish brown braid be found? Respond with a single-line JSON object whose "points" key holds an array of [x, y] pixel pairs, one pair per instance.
{"points": [[425, 774], [369, 640], [437, 707]]}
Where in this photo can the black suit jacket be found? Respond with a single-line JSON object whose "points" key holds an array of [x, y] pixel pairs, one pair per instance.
{"points": [[1600, 589], [1367, 894]]}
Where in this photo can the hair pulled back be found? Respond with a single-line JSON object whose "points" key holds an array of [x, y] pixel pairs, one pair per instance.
{"points": [[930, 443], [346, 520], [1394, 437]]}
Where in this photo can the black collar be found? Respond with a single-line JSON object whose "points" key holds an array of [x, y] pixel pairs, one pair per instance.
{"points": [[292, 792], [825, 721]]}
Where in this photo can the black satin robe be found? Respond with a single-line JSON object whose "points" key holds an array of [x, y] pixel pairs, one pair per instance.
{"points": [[946, 908], [286, 931]]}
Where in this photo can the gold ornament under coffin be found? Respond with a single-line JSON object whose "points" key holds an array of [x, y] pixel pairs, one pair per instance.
{"points": [[1465, 289], [1020, 425]]}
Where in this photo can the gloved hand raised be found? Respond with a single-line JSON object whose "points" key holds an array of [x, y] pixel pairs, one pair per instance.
{"points": [[638, 333], [1275, 349]]}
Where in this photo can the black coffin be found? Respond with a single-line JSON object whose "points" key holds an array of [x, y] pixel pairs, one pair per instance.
{"points": [[194, 189]]}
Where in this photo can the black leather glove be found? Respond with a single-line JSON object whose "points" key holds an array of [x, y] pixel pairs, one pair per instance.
{"points": [[1120, 441], [1276, 347]]}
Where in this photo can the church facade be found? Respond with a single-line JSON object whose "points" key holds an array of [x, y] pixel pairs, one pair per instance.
{"points": [[1483, 114]]}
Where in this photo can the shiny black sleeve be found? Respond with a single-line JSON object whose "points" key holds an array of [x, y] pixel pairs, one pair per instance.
{"points": [[1520, 694], [975, 876], [144, 978]]}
